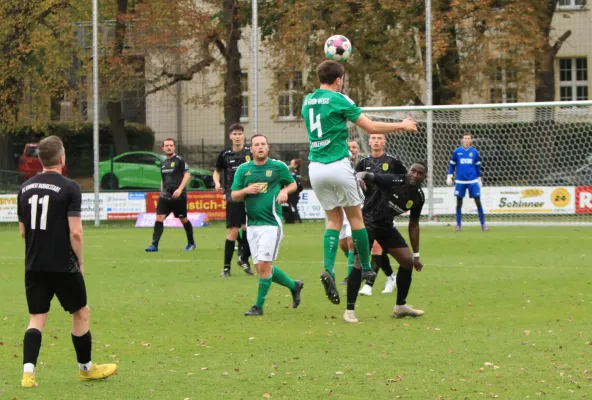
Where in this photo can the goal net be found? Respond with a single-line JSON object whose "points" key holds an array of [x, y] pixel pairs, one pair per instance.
{"points": [[536, 159]]}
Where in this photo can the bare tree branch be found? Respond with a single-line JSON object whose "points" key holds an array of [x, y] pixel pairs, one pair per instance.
{"points": [[221, 47], [184, 76], [62, 4], [559, 42]]}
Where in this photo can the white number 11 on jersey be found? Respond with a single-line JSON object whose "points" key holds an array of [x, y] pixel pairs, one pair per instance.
{"points": [[44, 201], [315, 122]]}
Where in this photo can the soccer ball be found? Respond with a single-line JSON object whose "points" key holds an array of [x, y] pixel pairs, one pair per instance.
{"points": [[338, 48]]}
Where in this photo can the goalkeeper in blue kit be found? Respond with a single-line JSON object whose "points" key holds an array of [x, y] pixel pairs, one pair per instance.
{"points": [[467, 162]]}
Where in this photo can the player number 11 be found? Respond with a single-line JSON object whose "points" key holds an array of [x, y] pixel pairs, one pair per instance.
{"points": [[44, 201]]}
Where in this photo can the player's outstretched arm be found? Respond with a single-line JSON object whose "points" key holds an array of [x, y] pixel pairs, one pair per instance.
{"points": [[383, 181], [408, 124]]}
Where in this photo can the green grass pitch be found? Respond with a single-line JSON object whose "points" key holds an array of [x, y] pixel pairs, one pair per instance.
{"points": [[508, 316]]}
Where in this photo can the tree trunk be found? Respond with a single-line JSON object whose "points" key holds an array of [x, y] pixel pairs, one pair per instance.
{"points": [[114, 105], [545, 77], [232, 84]]}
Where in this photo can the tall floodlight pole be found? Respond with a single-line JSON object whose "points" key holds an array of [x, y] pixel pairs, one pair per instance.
{"points": [[95, 44], [430, 138], [254, 118]]}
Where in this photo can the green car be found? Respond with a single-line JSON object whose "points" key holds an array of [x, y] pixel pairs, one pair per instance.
{"points": [[141, 170]]}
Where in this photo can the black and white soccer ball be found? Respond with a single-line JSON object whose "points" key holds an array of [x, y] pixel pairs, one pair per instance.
{"points": [[338, 48]]}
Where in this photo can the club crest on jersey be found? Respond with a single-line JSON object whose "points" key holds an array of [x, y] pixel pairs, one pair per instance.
{"points": [[248, 158], [268, 173], [409, 204], [173, 164], [470, 154], [385, 167], [248, 173]]}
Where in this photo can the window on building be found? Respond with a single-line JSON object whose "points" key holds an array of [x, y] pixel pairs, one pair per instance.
{"points": [[571, 4], [573, 79], [503, 86], [290, 96], [245, 95]]}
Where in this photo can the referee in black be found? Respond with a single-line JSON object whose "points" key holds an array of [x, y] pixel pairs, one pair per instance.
{"points": [[49, 207], [173, 197], [227, 163]]}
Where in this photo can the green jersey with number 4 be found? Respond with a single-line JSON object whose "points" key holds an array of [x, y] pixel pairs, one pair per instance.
{"points": [[325, 115], [263, 208]]}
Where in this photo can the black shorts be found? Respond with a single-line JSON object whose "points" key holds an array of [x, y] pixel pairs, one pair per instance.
{"points": [[41, 286], [176, 206], [387, 238], [236, 215]]}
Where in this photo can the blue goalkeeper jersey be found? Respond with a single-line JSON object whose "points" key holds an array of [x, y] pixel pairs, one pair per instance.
{"points": [[467, 163]]}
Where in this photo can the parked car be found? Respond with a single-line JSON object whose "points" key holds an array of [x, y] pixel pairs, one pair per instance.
{"points": [[29, 164], [141, 170]]}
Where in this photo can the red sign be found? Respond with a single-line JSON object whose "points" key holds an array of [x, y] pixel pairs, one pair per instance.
{"points": [[584, 200], [211, 203]]}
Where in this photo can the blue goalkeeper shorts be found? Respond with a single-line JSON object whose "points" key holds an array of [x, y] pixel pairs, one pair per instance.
{"points": [[473, 188]]}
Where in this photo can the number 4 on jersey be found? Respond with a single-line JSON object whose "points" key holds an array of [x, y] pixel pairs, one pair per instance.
{"points": [[315, 122], [44, 201]]}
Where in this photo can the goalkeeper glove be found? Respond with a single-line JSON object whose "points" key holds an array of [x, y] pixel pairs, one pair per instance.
{"points": [[449, 180]]}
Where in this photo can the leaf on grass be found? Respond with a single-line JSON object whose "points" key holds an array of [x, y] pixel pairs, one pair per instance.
{"points": [[267, 395], [561, 373], [451, 351], [339, 373], [495, 367], [398, 378], [454, 389], [527, 332], [252, 338], [368, 373], [189, 373], [204, 368], [224, 373], [488, 364]]}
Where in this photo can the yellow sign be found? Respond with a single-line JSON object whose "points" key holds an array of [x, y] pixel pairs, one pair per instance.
{"points": [[560, 197], [532, 193], [248, 158], [385, 167], [409, 204], [268, 173]]}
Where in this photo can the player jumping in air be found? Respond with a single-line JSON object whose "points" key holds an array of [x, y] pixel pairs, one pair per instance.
{"points": [[326, 112], [227, 163], [379, 162], [259, 184], [173, 197], [394, 195], [49, 208], [467, 161]]}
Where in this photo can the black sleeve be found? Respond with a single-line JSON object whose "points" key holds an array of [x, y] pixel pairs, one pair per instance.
{"points": [[75, 205], [183, 167], [387, 181], [360, 166], [397, 167], [220, 164], [415, 212]]}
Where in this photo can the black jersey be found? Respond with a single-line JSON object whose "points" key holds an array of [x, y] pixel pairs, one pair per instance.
{"points": [[172, 170], [393, 196], [44, 204], [385, 164], [228, 162]]}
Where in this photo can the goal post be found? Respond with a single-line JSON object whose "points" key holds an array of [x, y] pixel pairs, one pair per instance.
{"points": [[536, 159]]}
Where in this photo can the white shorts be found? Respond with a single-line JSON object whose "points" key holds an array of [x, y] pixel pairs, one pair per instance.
{"points": [[264, 242], [335, 184], [345, 229]]}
